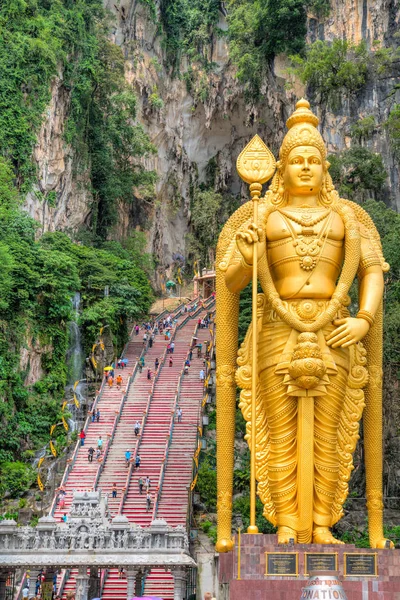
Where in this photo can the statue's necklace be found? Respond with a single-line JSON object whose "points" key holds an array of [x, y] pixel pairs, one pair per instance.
{"points": [[305, 219], [308, 244]]}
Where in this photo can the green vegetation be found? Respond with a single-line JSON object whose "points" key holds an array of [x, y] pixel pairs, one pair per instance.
{"points": [[363, 128], [44, 44], [358, 173], [319, 8], [15, 478], [188, 27], [338, 69], [209, 212], [258, 30], [360, 538], [38, 41], [207, 483], [39, 279], [333, 69], [393, 127]]}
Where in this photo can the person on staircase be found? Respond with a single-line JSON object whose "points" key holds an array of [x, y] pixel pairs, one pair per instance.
{"points": [[199, 349], [202, 375], [119, 382], [145, 339], [100, 444], [98, 416], [128, 457], [61, 499], [110, 381], [137, 428], [172, 347], [82, 436], [114, 490], [148, 501], [149, 373], [137, 461], [179, 414], [147, 483], [190, 354], [156, 364], [90, 454], [140, 482], [171, 362]]}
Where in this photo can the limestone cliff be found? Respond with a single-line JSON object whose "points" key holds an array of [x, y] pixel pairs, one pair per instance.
{"points": [[189, 133]]}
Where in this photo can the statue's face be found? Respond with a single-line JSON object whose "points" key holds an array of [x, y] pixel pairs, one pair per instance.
{"points": [[304, 173]]}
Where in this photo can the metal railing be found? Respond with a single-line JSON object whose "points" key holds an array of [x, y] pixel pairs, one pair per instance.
{"points": [[176, 314], [71, 461], [65, 575], [18, 594], [198, 310], [196, 456]]}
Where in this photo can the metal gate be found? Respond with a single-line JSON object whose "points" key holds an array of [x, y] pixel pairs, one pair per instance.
{"points": [[10, 586], [191, 584]]}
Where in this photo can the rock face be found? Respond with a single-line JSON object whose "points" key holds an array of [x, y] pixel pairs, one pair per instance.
{"points": [[188, 133], [56, 172]]}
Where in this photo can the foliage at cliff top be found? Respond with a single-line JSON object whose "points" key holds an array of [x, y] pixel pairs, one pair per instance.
{"points": [[258, 30], [38, 280], [42, 40], [338, 69]]}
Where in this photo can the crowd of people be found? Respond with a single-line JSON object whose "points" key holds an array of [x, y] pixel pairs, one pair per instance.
{"points": [[163, 326]]}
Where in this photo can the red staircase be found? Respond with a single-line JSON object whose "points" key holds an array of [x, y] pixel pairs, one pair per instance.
{"points": [[174, 489], [165, 447]]}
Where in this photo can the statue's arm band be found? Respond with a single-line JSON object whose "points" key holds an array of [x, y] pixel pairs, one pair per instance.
{"points": [[371, 260]]}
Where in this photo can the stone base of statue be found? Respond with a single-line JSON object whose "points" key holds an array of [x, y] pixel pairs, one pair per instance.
{"points": [[269, 570]]}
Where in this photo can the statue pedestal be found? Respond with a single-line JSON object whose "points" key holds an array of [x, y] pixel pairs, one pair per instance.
{"points": [[366, 574]]}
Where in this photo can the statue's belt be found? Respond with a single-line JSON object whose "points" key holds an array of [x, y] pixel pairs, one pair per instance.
{"points": [[306, 355]]}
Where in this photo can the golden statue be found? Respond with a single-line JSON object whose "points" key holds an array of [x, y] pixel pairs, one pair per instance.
{"points": [[312, 377]]}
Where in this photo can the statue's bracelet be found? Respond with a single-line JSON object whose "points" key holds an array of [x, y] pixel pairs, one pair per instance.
{"points": [[367, 316]]}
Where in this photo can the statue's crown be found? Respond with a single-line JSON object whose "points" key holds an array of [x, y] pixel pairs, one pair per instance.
{"points": [[302, 131]]}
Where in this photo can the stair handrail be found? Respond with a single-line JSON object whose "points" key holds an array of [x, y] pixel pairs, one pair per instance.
{"points": [[18, 594], [71, 461], [65, 575], [195, 465], [103, 577], [112, 434], [164, 460], [144, 419], [172, 423], [133, 459]]}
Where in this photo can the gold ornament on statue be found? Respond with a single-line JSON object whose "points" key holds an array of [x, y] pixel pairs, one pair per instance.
{"points": [[308, 371], [256, 163]]}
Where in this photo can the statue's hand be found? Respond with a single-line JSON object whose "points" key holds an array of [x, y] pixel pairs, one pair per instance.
{"points": [[246, 239], [348, 331]]}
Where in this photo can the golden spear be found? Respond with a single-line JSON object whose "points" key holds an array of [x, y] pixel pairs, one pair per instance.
{"points": [[255, 165]]}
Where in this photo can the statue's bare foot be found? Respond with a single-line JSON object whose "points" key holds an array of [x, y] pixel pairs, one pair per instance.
{"points": [[285, 534], [383, 543], [323, 535]]}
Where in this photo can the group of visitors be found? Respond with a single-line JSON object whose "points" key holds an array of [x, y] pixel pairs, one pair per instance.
{"points": [[129, 458]]}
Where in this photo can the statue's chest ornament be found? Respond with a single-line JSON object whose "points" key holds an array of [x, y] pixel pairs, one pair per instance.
{"points": [[308, 244]]}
